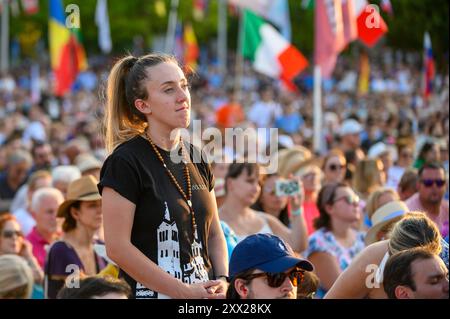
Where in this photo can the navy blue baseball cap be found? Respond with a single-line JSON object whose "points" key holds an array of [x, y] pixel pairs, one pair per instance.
{"points": [[266, 252]]}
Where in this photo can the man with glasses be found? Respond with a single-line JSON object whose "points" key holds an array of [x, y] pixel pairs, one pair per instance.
{"points": [[263, 266], [430, 196]]}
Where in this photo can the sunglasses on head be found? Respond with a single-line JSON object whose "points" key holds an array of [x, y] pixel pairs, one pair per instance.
{"points": [[349, 199], [430, 182], [335, 167], [275, 280], [11, 233]]}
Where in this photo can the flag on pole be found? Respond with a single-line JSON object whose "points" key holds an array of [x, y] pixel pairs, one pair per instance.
{"points": [[270, 53], [386, 6], [274, 11], [191, 49], [371, 26], [364, 74], [30, 6], [329, 35], [349, 21], [66, 51], [102, 21], [429, 71]]}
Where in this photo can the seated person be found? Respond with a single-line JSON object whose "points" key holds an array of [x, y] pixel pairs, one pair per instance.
{"points": [[97, 287]]}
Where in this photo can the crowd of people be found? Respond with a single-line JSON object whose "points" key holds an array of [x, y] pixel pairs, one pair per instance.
{"points": [[93, 206]]}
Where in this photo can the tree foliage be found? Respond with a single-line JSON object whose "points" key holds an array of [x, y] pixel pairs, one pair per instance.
{"points": [[138, 17]]}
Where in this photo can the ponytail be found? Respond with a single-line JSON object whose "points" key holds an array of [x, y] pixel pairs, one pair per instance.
{"points": [[123, 120]]}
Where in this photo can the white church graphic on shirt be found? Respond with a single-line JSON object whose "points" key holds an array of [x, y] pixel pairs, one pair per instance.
{"points": [[169, 257]]}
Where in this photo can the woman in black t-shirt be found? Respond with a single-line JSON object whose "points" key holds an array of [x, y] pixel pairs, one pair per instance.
{"points": [[160, 214]]}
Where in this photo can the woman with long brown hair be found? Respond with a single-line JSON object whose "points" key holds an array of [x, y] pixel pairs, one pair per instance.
{"points": [[160, 213]]}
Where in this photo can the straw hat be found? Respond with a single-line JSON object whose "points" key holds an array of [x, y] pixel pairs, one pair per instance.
{"points": [[383, 216], [83, 189], [290, 159]]}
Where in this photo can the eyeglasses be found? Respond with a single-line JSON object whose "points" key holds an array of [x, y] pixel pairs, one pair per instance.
{"points": [[11, 233], [349, 199], [335, 167], [430, 182], [275, 280], [407, 155]]}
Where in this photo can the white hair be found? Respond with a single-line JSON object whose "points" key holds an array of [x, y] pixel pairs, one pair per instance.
{"points": [[45, 192], [65, 173]]}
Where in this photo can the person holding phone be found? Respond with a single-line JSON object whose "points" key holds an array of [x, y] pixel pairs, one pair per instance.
{"points": [[243, 188]]}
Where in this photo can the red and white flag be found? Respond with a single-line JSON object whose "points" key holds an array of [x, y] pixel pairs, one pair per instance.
{"points": [[349, 21], [371, 26], [329, 35]]}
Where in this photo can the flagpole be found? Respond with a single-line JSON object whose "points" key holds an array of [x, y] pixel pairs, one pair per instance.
{"points": [[222, 36], [5, 36], [239, 67], [170, 36], [317, 111]]}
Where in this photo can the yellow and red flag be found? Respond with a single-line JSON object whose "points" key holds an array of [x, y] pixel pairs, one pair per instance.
{"points": [[67, 54]]}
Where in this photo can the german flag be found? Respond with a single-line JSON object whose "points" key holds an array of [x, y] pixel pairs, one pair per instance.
{"points": [[67, 54]]}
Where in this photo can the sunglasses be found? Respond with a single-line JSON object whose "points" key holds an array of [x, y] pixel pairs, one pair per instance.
{"points": [[430, 182], [335, 167], [349, 199], [275, 280], [11, 233]]}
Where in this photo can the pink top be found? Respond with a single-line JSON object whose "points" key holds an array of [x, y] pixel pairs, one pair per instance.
{"points": [[39, 244], [310, 212], [441, 220]]}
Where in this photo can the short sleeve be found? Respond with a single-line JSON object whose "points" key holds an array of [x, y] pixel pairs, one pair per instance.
{"points": [[316, 244], [118, 174], [59, 257]]}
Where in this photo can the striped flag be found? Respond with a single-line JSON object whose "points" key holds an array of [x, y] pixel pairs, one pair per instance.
{"points": [[429, 71], [270, 53], [274, 11], [66, 51], [191, 49]]}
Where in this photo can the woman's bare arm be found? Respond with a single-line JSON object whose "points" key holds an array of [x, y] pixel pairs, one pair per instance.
{"points": [[218, 247], [352, 283], [118, 215], [326, 268]]}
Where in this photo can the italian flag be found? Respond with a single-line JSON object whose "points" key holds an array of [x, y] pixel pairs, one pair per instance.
{"points": [[270, 52]]}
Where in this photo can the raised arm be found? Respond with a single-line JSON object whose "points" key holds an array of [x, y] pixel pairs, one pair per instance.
{"points": [[118, 215]]}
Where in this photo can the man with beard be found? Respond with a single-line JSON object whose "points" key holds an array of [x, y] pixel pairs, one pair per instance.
{"points": [[430, 196], [263, 266]]}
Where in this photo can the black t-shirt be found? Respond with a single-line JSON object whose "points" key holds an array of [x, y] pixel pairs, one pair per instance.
{"points": [[162, 228]]}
